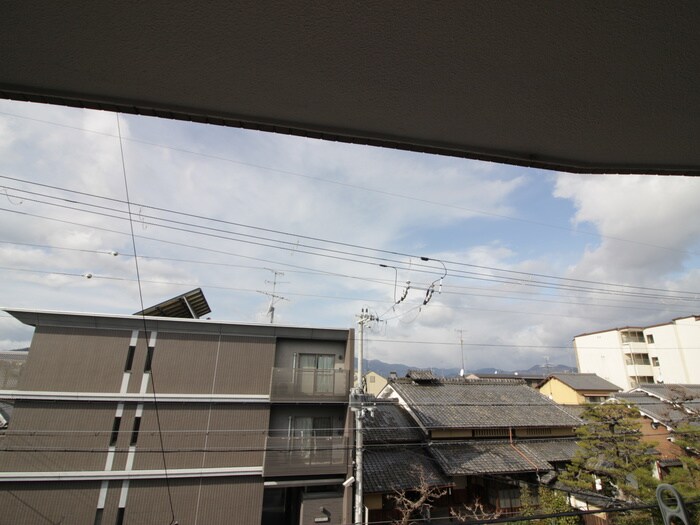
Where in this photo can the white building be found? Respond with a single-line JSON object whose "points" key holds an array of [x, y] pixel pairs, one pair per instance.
{"points": [[630, 356]]}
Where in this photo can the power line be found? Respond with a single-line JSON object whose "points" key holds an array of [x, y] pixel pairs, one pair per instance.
{"points": [[513, 280], [355, 186]]}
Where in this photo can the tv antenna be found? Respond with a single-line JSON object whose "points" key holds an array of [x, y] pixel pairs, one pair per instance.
{"points": [[274, 298], [461, 346]]}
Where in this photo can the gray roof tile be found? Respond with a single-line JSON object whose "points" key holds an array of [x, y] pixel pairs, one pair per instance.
{"points": [[485, 457], [392, 469], [654, 407], [586, 382], [481, 404], [391, 424]]}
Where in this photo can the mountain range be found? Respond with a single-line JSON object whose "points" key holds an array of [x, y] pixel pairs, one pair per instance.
{"points": [[383, 369]]}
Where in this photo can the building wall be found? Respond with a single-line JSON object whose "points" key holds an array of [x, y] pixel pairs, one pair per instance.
{"points": [[63, 435], [670, 354], [66, 360], [49, 502], [288, 351], [45, 437], [601, 354], [375, 383], [209, 364], [561, 393]]}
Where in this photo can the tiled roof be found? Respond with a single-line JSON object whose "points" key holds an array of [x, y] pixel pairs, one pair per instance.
{"points": [[574, 410], [654, 407], [421, 375], [688, 395], [391, 469], [391, 424], [486, 457], [481, 404], [586, 382], [550, 449]]}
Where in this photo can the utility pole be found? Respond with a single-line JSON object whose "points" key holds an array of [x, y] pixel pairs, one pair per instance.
{"points": [[356, 404], [461, 346]]}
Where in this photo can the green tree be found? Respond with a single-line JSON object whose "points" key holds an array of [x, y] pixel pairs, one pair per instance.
{"points": [[686, 479], [544, 500], [553, 501], [611, 450]]}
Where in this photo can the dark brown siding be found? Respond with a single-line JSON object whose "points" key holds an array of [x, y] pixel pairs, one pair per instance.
{"points": [[74, 436], [236, 437], [245, 365], [221, 501], [183, 430], [184, 363], [42, 503], [237, 427], [75, 361]]}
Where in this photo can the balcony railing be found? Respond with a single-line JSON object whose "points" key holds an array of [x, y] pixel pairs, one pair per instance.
{"points": [[306, 455], [309, 384]]}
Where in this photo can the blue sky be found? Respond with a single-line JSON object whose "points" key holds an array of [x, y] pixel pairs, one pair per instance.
{"points": [[266, 189]]}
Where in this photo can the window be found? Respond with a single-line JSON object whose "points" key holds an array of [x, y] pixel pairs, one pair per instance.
{"points": [[322, 378], [650, 339], [637, 359], [135, 432], [509, 498], [149, 360], [655, 361], [641, 380], [308, 433], [595, 399], [129, 359], [632, 336], [115, 431], [490, 432]]}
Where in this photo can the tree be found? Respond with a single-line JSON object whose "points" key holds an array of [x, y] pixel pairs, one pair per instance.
{"points": [[687, 478], [543, 500], [612, 459], [416, 501]]}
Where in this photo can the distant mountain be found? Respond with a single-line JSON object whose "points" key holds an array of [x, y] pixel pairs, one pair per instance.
{"points": [[383, 369]]}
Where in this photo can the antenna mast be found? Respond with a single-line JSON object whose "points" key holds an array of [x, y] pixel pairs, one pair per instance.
{"points": [[274, 298], [461, 346]]}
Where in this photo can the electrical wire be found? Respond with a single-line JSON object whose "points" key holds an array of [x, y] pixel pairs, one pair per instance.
{"points": [[352, 186], [143, 316], [622, 289]]}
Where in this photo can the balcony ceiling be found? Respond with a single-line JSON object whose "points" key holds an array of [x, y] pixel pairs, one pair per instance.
{"points": [[576, 86]]}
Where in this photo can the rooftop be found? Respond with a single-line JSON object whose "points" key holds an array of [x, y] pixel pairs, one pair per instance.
{"points": [[397, 468], [391, 424], [500, 457], [584, 382], [481, 404]]}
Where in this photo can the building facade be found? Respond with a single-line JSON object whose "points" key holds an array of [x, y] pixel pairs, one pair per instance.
{"points": [[131, 419], [633, 356], [477, 439], [577, 389]]}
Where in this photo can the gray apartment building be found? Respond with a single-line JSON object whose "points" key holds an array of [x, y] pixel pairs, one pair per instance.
{"points": [[247, 424]]}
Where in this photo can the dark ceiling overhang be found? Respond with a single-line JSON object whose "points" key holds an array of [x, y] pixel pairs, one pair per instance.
{"points": [[576, 86]]}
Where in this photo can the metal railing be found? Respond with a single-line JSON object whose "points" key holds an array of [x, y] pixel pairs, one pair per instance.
{"points": [[299, 455], [309, 384]]}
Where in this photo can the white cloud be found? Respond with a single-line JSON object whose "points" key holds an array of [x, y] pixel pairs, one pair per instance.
{"points": [[443, 208]]}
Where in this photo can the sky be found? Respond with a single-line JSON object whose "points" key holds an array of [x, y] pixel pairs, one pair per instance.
{"points": [[513, 261]]}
